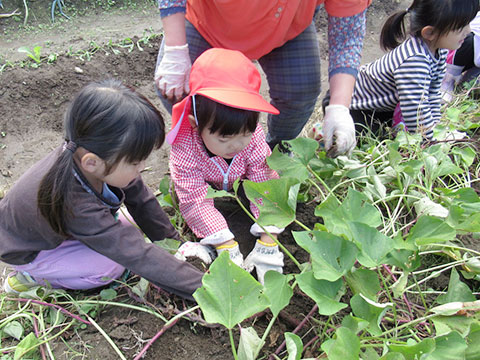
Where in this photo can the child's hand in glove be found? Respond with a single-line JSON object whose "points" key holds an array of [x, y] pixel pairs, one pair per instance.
{"points": [[190, 248], [264, 257], [234, 252]]}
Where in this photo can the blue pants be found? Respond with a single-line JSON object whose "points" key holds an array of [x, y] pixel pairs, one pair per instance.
{"points": [[293, 75]]}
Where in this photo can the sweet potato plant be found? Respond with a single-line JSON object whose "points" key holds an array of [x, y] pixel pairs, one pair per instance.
{"points": [[381, 216]]}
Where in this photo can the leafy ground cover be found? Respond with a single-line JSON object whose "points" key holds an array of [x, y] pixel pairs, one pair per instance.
{"points": [[382, 254]]}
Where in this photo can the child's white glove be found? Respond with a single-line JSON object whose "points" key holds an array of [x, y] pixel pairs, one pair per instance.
{"points": [[338, 123], [190, 248], [173, 72], [449, 135], [456, 135], [234, 252], [264, 257]]}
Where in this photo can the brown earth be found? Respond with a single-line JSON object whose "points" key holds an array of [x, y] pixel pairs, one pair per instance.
{"points": [[32, 103]]}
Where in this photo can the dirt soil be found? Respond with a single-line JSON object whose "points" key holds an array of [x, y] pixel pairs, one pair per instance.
{"points": [[32, 103]]}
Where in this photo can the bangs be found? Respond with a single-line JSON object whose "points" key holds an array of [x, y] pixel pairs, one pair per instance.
{"points": [[145, 132], [114, 122], [239, 121], [456, 15], [222, 119]]}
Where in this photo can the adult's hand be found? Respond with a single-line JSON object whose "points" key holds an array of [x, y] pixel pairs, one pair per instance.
{"points": [[338, 130], [173, 72]]}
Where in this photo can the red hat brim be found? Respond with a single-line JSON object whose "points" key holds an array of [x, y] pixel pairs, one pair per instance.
{"points": [[239, 99]]}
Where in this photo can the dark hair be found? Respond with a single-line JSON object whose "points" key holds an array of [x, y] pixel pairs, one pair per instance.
{"points": [[443, 15], [225, 119], [110, 120]]}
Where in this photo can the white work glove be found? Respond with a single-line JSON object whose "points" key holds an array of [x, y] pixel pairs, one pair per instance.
{"points": [[338, 123], [264, 257], [234, 252], [455, 135], [173, 72], [190, 248]]}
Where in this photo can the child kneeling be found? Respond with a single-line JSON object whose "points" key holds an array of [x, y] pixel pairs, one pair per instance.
{"points": [[216, 139], [59, 223]]}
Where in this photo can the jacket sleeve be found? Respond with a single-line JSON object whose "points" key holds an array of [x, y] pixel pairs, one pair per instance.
{"points": [[191, 189], [96, 227], [147, 212]]}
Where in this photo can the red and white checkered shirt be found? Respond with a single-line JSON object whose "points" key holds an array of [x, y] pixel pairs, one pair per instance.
{"points": [[192, 170]]}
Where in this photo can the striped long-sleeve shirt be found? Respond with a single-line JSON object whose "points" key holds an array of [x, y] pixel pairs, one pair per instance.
{"points": [[410, 75]]}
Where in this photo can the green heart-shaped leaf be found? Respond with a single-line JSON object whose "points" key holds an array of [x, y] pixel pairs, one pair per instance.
{"points": [[324, 293], [332, 256], [276, 200], [229, 294]]}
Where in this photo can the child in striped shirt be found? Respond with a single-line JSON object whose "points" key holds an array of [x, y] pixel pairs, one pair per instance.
{"points": [[402, 88], [216, 139]]}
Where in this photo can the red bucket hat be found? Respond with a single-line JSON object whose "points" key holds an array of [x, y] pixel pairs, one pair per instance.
{"points": [[225, 76]]}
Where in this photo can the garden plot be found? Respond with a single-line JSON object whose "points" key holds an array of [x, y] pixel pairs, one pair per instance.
{"points": [[376, 245]]}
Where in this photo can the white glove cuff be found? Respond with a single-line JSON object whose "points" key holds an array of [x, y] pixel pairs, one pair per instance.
{"points": [[218, 238], [167, 48], [256, 230], [336, 107], [234, 253]]}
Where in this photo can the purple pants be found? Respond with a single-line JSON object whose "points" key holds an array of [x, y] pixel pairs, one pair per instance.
{"points": [[73, 265]]}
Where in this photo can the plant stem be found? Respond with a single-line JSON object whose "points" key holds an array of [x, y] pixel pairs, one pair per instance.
{"points": [[457, 247], [46, 340], [105, 335], [66, 312], [19, 313], [127, 217], [42, 323], [325, 328], [348, 181], [302, 225], [101, 302], [391, 197], [415, 336], [264, 336], [454, 263], [390, 298], [405, 300], [232, 343], [321, 182], [164, 328], [284, 249], [297, 329], [420, 293], [25, 19], [37, 335], [318, 188], [406, 325]]}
